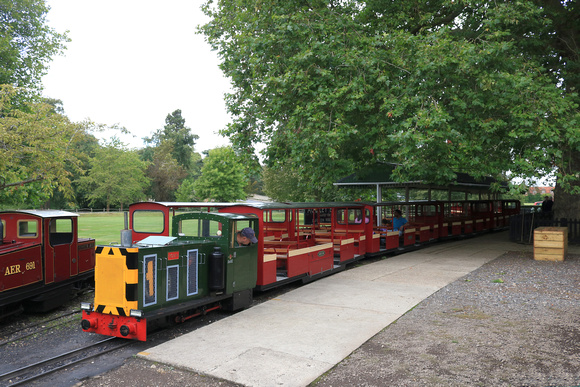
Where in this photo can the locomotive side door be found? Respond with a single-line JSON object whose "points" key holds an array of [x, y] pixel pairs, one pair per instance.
{"points": [[60, 238], [242, 265]]}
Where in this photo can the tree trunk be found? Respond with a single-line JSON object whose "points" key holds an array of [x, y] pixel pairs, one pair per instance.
{"points": [[567, 205]]}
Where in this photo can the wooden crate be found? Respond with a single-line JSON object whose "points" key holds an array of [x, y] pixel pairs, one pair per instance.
{"points": [[550, 243]]}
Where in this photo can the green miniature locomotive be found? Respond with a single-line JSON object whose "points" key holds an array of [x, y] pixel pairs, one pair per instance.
{"points": [[200, 267]]}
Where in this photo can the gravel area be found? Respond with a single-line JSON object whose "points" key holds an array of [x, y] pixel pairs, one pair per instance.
{"points": [[512, 322]]}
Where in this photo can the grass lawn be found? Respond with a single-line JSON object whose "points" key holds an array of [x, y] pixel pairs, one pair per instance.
{"points": [[104, 227]]}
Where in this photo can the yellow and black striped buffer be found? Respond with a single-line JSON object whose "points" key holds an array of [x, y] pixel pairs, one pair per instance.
{"points": [[116, 280]]}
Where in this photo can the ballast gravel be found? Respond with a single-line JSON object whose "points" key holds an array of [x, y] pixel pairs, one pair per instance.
{"points": [[513, 322]]}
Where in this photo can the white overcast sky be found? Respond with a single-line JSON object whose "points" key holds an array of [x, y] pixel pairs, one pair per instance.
{"points": [[133, 62]]}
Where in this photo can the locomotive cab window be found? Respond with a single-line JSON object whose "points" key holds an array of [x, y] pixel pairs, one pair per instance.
{"points": [[27, 228], [203, 228], [61, 231], [239, 226], [149, 221]]}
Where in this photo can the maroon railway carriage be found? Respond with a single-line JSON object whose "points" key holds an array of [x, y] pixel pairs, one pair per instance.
{"points": [[305, 241], [309, 240], [42, 259]]}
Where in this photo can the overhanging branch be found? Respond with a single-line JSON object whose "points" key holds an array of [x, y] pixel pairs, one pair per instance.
{"points": [[27, 181]]}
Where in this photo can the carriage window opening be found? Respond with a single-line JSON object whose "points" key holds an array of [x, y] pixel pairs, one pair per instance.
{"points": [[149, 221], [358, 216], [3, 229], [307, 217], [351, 216], [27, 228], [61, 231], [201, 228], [275, 216], [341, 216]]}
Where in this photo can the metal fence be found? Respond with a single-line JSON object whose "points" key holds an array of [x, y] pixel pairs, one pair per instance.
{"points": [[522, 227]]}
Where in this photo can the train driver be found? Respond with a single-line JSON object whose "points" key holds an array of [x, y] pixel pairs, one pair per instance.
{"points": [[246, 237]]}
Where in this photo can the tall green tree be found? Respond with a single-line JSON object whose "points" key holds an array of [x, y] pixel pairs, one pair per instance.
{"points": [[27, 43], [165, 173], [222, 177], [117, 176], [180, 136], [445, 86]]}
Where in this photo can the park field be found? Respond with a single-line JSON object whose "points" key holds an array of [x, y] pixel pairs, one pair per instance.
{"points": [[104, 227]]}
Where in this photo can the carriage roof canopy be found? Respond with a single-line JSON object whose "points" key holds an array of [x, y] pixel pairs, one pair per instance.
{"points": [[380, 176]]}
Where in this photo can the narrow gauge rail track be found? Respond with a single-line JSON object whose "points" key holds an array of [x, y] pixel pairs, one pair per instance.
{"points": [[45, 367], [30, 331]]}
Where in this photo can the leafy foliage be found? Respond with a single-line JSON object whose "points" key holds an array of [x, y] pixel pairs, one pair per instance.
{"points": [[117, 176], [280, 185], [165, 172], [222, 177], [38, 150], [180, 137], [26, 43], [439, 87], [186, 191]]}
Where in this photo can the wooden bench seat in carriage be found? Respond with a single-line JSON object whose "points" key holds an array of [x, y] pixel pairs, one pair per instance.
{"points": [[468, 226], [455, 225], [409, 236], [420, 222], [390, 238], [423, 231], [483, 222], [276, 231], [374, 244], [284, 243], [360, 240], [299, 258], [461, 225], [393, 239], [343, 246]]}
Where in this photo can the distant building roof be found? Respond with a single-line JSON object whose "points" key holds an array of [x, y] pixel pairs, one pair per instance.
{"points": [[381, 174], [540, 190]]}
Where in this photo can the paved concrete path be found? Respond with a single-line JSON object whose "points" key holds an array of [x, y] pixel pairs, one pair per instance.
{"points": [[295, 338]]}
